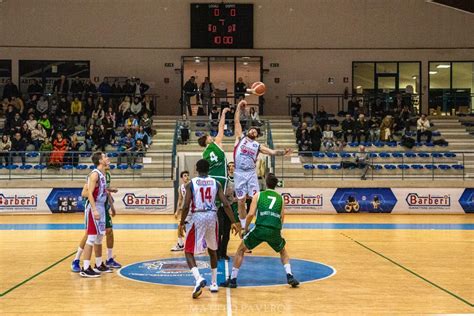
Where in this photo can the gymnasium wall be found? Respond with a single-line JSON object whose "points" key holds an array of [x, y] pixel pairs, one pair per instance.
{"points": [[310, 39]]}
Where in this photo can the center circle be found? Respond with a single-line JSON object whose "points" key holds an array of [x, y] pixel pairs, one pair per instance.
{"points": [[255, 271]]}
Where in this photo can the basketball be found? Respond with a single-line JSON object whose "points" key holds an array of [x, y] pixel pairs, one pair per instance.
{"points": [[258, 88]]}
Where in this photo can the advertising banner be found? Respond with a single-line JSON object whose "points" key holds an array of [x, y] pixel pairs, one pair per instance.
{"points": [[23, 200], [307, 200], [428, 200], [145, 200]]}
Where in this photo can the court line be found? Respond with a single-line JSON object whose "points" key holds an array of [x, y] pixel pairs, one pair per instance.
{"points": [[410, 271], [35, 275], [329, 226], [227, 290]]}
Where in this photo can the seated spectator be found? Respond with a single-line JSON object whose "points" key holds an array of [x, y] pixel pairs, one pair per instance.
{"points": [[423, 128], [386, 129], [300, 130], [362, 161], [109, 126], [127, 129], [5, 147], [38, 135], [100, 138], [132, 122], [229, 118], [89, 138], [214, 117], [147, 123], [184, 126], [139, 151], [405, 118], [76, 110], [308, 118], [136, 107], [18, 147], [148, 106], [89, 106], [296, 108], [362, 128], [45, 151], [26, 133], [18, 105], [31, 122], [304, 143], [244, 117], [110, 112], [72, 155], [123, 110], [4, 106], [316, 134], [42, 106], [374, 128], [59, 149], [59, 126], [97, 116], [16, 124], [254, 118], [322, 116], [328, 140], [126, 148], [348, 128], [142, 135], [44, 120]]}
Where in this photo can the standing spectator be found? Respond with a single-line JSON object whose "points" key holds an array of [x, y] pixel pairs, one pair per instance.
{"points": [[35, 89], [38, 135], [4, 106], [405, 118], [59, 149], [184, 126], [348, 126], [10, 90], [128, 88], [353, 106], [123, 110], [240, 88], [207, 89], [61, 86], [244, 117], [322, 116], [254, 118], [5, 147], [190, 89], [54, 108], [18, 147], [148, 106], [116, 91], [18, 104], [136, 107], [423, 129], [90, 90], [139, 88], [386, 129], [76, 110], [77, 88], [9, 117], [362, 128], [45, 151], [296, 109], [42, 106], [105, 90], [316, 136], [44, 120], [147, 123]]}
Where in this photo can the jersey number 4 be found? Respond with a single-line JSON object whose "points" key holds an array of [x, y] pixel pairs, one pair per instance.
{"points": [[213, 157], [205, 194]]}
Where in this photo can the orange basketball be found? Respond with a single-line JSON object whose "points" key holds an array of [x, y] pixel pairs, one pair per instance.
{"points": [[258, 88]]}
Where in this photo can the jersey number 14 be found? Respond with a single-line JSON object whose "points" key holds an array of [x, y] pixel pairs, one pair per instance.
{"points": [[205, 194]]}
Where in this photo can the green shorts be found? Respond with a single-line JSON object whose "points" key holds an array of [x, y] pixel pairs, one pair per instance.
{"points": [[259, 234], [108, 218], [223, 182], [235, 210]]}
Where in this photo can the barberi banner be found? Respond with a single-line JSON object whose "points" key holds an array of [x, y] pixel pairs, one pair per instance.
{"points": [[307, 200]]}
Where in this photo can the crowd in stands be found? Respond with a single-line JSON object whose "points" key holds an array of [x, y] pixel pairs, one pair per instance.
{"points": [[52, 123], [323, 132]]}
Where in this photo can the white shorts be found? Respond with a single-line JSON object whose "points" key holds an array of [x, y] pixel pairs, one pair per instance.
{"points": [[246, 183], [93, 226], [202, 230]]}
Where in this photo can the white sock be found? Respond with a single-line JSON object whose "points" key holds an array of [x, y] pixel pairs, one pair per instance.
{"points": [[180, 241], [235, 272], [78, 253], [110, 253], [214, 276], [196, 273], [87, 264], [243, 222], [287, 268], [98, 261]]}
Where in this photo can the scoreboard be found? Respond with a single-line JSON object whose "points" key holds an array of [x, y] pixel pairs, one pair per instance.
{"points": [[221, 25]]}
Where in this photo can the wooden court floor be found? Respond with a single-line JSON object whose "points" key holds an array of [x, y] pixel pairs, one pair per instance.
{"points": [[401, 269]]}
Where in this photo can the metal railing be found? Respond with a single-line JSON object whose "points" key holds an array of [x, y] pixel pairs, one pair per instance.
{"points": [[220, 101], [270, 145], [380, 165], [72, 165]]}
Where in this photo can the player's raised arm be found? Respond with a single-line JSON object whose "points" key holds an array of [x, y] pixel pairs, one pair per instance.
{"points": [[92, 183], [237, 125], [275, 152], [184, 214], [221, 128], [252, 212]]}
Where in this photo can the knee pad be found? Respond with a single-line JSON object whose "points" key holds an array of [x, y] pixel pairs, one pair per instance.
{"points": [[91, 239], [98, 239]]}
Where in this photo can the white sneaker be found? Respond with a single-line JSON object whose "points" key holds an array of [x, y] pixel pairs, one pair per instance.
{"points": [[200, 284], [178, 247], [214, 288]]}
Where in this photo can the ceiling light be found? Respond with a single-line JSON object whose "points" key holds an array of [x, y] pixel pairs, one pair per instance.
{"points": [[245, 63], [413, 77], [433, 72], [441, 66], [359, 87]]}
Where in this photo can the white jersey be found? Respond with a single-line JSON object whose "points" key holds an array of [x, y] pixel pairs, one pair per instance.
{"points": [[100, 192], [204, 192], [182, 191], [245, 154]]}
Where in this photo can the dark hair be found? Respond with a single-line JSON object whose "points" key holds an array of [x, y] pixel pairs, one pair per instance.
{"points": [[96, 157], [271, 181], [202, 166], [183, 173], [202, 140]]}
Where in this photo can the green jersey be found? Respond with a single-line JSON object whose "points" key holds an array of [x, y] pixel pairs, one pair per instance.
{"points": [[269, 207], [217, 161], [107, 179]]}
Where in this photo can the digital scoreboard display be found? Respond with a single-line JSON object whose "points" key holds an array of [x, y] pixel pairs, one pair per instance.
{"points": [[221, 25]]}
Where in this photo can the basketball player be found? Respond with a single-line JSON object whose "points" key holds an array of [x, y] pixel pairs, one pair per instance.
{"points": [[95, 216], [269, 208], [246, 150], [182, 192], [202, 225], [109, 211], [214, 154]]}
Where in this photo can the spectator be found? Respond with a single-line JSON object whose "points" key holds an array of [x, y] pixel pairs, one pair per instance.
{"points": [[116, 93], [89, 138], [405, 118], [214, 116], [61, 86], [90, 90], [362, 128], [240, 88], [97, 116], [299, 131], [142, 135], [304, 143], [44, 121], [105, 90], [244, 117], [26, 133], [148, 106], [296, 108], [38, 135], [35, 89], [132, 122], [423, 129], [362, 161], [15, 125], [72, 155], [112, 115], [18, 104], [18, 147], [77, 88], [347, 127], [127, 88], [5, 147], [31, 122], [147, 123], [45, 150], [4, 106], [88, 107], [42, 106], [59, 126], [184, 126], [139, 88], [54, 108], [126, 130], [374, 130], [123, 110], [328, 140], [63, 106], [127, 146], [59, 149], [386, 129], [190, 89], [229, 118], [100, 138], [10, 90], [353, 106], [76, 110], [316, 134], [254, 118], [139, 151], [109, 126], [207, 90], [136, 107]]}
